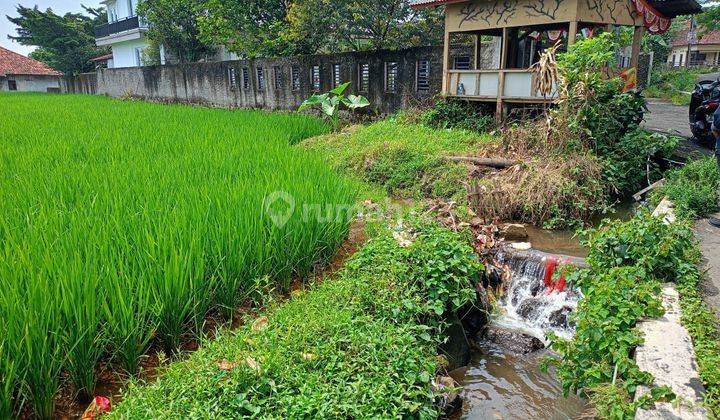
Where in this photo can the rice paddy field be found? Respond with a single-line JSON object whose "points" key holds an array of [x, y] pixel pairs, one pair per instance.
{"points": [[123, 224]]}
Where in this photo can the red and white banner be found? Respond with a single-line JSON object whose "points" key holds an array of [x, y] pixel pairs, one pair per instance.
{"points": [[654, 20]]}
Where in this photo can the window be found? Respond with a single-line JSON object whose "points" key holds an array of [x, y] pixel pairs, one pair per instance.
{"points": [[295, 75], [131, 8], [277, 72], [260, 78], [364, 77], [337, 77], [422, 78], [391, 76], [674, 62], [232, 79], [315, 78], [112, 14], [681, 59], [12, 85], [138, 56], [461, 62], [246, 78]]}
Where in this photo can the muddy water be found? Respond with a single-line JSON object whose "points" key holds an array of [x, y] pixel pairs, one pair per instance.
{"points": [[501, 385], [565, 242]]}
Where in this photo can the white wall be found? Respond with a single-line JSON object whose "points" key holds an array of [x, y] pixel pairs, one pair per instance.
{"points": [[122, 9], [31, 83], [124, 52]]}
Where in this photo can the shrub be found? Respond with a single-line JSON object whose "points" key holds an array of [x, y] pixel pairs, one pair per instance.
{"points": [[361, 345], [627, 263], [643, 241], [693, 189], [458, 114], [673, 85]]}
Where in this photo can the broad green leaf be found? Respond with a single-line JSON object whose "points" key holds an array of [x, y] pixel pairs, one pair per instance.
{"points": [[313, 100], [354, 102], [340, 89], [330, 105]]}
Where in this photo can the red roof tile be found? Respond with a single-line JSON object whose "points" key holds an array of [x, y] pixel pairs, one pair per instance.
{"points": [[707, 38], [14, 63]]}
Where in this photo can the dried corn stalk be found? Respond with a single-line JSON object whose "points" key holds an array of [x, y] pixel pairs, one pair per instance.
{"points": [[547, 74]]}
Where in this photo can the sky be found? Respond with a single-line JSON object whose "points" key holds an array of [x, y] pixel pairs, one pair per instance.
{"points": [[7, 7]]}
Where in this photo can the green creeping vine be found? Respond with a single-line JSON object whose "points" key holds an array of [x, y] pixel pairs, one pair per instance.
{"points": [[627, 263], [362, 345]]}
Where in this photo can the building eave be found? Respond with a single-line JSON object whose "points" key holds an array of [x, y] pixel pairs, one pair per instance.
{"points": [[130, 35]]}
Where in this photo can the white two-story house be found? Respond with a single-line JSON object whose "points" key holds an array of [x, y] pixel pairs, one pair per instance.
{"points": [[125, 33]]}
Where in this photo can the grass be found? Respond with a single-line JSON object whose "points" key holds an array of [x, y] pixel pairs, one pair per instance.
{"points": [[693, 188], [673, 85], [405, 159], [125, 223], [361, 345]]}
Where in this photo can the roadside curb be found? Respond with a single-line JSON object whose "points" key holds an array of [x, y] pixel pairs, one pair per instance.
{"points": [[669, 355]]}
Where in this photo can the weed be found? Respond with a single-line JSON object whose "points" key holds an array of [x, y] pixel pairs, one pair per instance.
{"points": [[458, 114], [693, 189], [360, 345]]}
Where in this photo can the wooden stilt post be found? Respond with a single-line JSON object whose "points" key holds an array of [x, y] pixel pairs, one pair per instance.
{"points": [[572, 33], [446, 64], [636, 44], [501, 77], [478, 48]]}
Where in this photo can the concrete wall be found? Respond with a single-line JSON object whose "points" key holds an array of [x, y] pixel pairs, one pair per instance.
{"points": [[210, 83], [29, 83], [84, 83]]}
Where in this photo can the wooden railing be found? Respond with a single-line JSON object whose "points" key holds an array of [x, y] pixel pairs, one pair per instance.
{"points": [[509, 85]]}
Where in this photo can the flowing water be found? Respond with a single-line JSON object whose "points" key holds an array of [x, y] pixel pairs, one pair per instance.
{"points": [[502, 385], [498, 384]]}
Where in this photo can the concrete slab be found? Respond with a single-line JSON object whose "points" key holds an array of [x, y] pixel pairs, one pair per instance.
{"points": [[668, 354]]}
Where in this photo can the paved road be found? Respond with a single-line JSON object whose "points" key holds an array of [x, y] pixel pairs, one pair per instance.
{"points": [[667, 118], [709, 238], [709, 76]]}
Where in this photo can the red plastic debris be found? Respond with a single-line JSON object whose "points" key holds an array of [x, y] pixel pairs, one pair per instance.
{"points": [[99, 406], [551, 265]]}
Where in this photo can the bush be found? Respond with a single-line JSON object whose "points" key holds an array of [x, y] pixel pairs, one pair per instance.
{"points": [[673, 85], [363, 345], [627, 263], [458, 114], [693, 189], [644, 241]]}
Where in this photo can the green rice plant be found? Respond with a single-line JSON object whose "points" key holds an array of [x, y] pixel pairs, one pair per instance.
{"points": [[122, 222], [7, 379], [42, 350], [80, 304], [130, 324]]}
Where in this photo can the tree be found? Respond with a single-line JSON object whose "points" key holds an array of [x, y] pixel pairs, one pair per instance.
{"points": [[286, 27], [709, 19], [174, 24], [249, 28], [65, 43]]}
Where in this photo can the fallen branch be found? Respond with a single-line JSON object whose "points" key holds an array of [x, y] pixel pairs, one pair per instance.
{"points": [[639, 195], [499, 163]]}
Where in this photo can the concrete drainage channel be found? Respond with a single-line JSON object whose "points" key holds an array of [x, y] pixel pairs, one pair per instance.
{"points": [[668, 354], [502, 378]]}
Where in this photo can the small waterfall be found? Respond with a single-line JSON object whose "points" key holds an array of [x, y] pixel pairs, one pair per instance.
{"points": [[529, 305]]}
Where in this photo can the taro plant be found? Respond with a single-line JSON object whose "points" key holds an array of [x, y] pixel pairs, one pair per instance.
{"points": [[330, 102]]}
